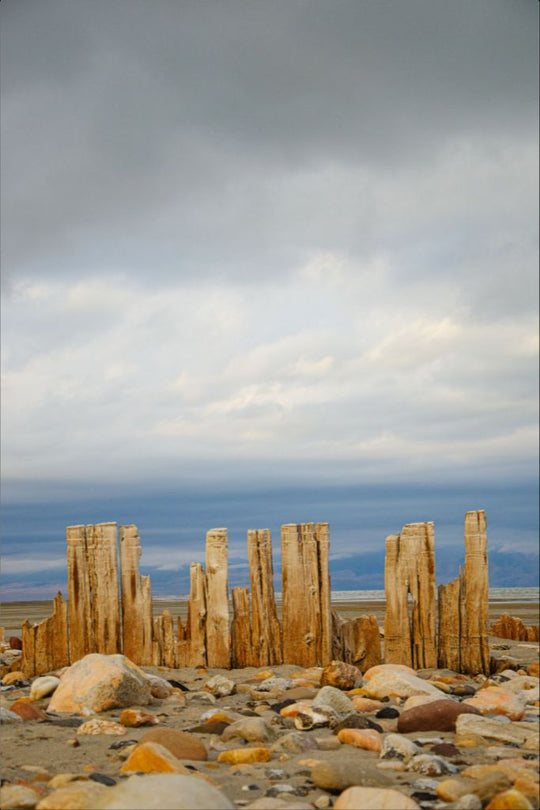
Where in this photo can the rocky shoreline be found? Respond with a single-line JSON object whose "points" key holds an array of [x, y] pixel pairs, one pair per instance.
{"points": [[274, 738]]}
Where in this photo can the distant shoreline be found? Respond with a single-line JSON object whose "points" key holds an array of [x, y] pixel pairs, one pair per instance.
{"points": [[13, 614]]}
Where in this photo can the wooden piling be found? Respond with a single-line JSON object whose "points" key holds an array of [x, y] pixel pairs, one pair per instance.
{"points": [[361, 642], [265, 629], [306, 615], [410, 636], [194, 652], [81, 626], [136, 600], [474, 596], [218, 642], [242, 653], [102, 555], [45, 645]]}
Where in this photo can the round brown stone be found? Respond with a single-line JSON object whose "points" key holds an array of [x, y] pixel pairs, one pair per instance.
{"points": [[181, 744]]}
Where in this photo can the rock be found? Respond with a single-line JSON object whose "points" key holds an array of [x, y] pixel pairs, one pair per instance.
{"points": [[368, 738], [510, 800], [251, 729], [101, 682], [364, 704], [99, 725], [6, 716], [63, 779], [294, 709], [220, 686], [398, 683], [271, 803], [240, 755], [340, 675], [534, 669], [151, 757], [132, 718], [159, 687], [490, 785], [313, 674], [330, 696], [12, 677], [299, 693], [44, 686], [497, 700], [439, 715], [15, 643], [357, 721], [395, 746], [337, 775], [452, 789], [75, 796], [430, 765], [294, 742], [419, 700], [153, 792], [181, 744], [26, 711], [372, 672], [374, 799], [315, 718], [467, 802], [18, 797], [387, 713], [492, 729]]}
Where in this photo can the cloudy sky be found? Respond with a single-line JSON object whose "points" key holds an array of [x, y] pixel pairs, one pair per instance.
{"points": [[259, 249]]}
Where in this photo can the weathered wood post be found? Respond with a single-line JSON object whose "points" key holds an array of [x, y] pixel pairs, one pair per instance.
{"points": [[192, 651], [81, 628], [475, 596], [164, 644], [463, 606], [241, 642], [102, 555], [218, 642], [136, 600], [410, 569], [45, 645], [306, 615], [361, 642], [265, 629]]}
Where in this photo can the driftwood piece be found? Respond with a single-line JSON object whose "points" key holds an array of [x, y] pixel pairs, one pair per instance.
{"points": [[136, 600], [361, 642], [306, 615], [338, 622], [475, 596], [45, 645], [241, 644], [102, 554], [218, 645], [194, 652], [79, 594], [409, 630], [513, 628], [265, 629]]}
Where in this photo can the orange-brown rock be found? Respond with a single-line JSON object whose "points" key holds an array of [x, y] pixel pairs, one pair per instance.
{"points": [[132, 718], [151, 757], [181, 744], [496, 700], [370, 798], [367, 738], [27, 711], [510, 800], [340, 675], [235, 756]]}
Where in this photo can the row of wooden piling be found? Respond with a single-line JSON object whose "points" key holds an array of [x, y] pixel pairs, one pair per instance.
{"points": [[109, 608]]}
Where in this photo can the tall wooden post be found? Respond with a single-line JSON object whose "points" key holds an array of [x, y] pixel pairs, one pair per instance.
{"points": [[102, 553], [218, 642], [265, 629], [242, 650], [81, 626], [475, 595], [449, 610], [410, 569], [136, 600], [194, 652], [306, 617]]}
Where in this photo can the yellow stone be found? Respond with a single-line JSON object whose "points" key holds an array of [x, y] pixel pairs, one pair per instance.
{"points": [[11, 677], [468, 740], [75, 796], [262, 676], [367, 738], [450, 790], [151, 757], [510, 800], [235, 756]]}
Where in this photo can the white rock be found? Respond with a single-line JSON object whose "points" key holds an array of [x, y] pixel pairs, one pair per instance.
{"points": [[43, 686], [396, 746], [155, 792]]}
